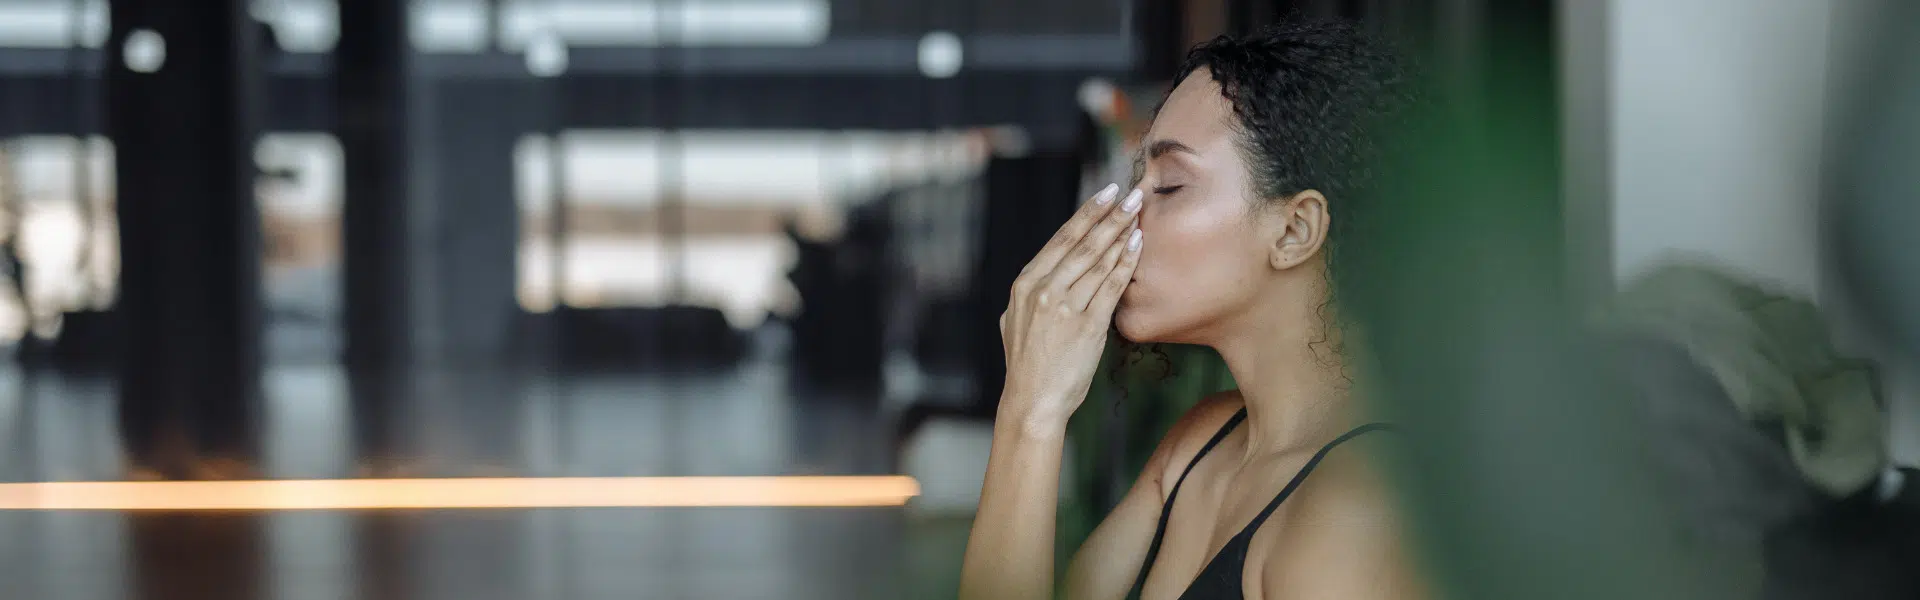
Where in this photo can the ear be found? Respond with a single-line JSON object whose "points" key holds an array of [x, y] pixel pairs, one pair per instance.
{"points": [[1302, 223]]}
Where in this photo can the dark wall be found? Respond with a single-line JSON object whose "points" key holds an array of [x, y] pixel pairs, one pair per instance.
{"points": [[897, 17]]}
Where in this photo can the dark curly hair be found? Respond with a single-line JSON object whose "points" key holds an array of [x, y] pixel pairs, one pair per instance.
{"points": [[1310, 99]]}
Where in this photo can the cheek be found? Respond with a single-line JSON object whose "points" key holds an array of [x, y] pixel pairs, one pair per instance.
{"points": [[1194, 259], [1169, 260], [1193, 242]]}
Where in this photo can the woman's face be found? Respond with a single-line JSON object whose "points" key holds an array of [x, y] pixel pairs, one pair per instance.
{"points": [[1203, 256]]}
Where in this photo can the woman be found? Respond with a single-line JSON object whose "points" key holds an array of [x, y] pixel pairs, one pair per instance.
{"points": [[1231, 238]]}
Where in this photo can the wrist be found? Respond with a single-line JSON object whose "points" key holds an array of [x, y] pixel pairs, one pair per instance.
{"points": [[1023, 418]]}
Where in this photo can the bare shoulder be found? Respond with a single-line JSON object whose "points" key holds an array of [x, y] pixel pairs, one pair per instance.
{"points": [[1345, 535], [1350, 485], [1187, 435]]}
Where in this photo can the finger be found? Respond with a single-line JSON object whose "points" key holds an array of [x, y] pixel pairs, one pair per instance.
{"points": [[1083, 220], [1101, 307], [1086, 253], [1082, 290]]}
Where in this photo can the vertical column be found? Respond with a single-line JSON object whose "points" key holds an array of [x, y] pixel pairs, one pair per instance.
{"points": [[431, 226], [371, 94], [182, 82], [476, 232], [183, 109], [372, 97]]}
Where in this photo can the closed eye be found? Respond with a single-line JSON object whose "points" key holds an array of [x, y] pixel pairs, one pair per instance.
{"points": [[1167, 189]]}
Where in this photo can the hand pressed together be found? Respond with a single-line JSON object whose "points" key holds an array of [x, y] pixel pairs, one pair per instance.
{"points": [[1055, 326]]}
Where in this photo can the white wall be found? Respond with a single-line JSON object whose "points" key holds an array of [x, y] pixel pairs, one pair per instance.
{"points": [[1716, 110]]}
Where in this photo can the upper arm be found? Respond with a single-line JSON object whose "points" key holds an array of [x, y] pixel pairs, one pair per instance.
{"points": [[1108, 562]]}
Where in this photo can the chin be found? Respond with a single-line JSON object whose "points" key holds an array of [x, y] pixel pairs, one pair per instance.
{"points": [[1134, 324], [1141, 325]]}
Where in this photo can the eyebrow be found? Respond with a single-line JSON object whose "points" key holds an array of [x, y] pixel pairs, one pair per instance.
{"points": [[1154, 150], [1161, 148]]}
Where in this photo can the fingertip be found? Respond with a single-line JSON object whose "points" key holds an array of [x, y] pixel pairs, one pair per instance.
{"points": [[1106, 194], [1133, 242]]}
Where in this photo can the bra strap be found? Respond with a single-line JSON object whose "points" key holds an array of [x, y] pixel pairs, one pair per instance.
{"points": [[1166, 512], [1300, 477]]}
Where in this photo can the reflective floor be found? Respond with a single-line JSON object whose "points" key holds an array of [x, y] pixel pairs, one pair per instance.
{"points": [[571, 553], [464, 424]]}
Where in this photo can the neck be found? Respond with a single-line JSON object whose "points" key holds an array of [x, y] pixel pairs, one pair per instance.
{"points": [[1287, 364]]}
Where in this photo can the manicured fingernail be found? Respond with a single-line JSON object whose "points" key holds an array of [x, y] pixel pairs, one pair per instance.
{"points": [[1133, 241], [1132, 204], [1105, 196]]}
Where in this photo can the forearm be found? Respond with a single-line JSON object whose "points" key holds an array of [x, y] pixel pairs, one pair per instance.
{"points": [[1010, 549]]}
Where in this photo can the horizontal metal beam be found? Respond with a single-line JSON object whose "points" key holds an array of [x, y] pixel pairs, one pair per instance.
{"points": [[1028, 81], [1037, 101], [891, 55]]}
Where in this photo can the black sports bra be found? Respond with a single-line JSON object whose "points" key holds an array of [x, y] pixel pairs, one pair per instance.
{"points": [[1220, 579]]}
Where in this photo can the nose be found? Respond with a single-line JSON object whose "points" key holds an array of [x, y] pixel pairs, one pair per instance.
{"points": [[1147, 208]]}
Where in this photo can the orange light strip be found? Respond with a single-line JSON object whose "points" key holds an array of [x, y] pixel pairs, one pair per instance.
{"points": [[368, 494]]}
